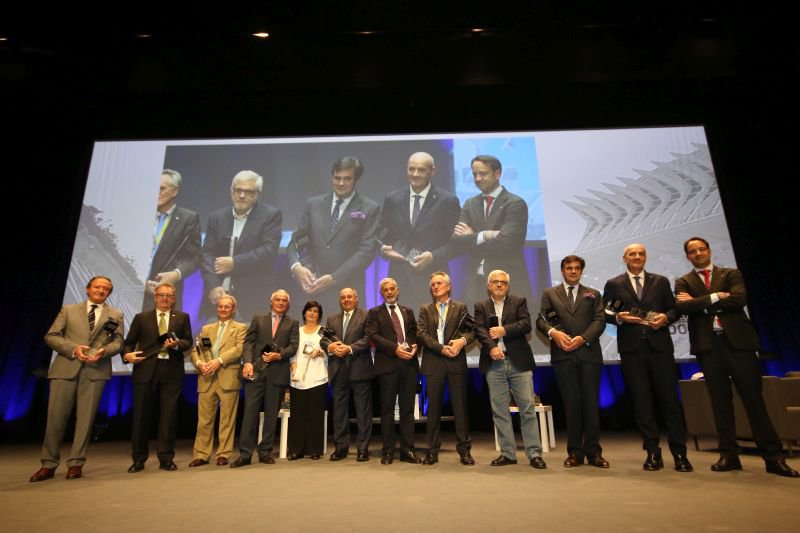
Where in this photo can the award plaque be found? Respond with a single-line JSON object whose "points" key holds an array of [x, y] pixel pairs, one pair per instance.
{"points": [[301, 243], [408, 252], [551, 318]]}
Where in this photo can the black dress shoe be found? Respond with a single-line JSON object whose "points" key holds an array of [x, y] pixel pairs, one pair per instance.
{"points": [[75, 472], [598, 461], [266, 459], [239, 462], [222, 461], [387, 458], [338, 455], [538, 463], [294, 456], [136, 467], [653, 462], [727, 463], [572, 461], [363, 456], [410, 457], [42, 474], [682, 463], [168, 465], [197, 462], [503, 461], [779, 467], [431, 458], [466, 458], [315, 456]]}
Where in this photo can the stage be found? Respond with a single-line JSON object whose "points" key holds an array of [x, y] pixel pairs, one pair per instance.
{"points": [[348, 496]]}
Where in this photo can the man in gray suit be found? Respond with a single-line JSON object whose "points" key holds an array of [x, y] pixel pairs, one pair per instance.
{"points": [[335, 239], [350, 369], [572, 316], [84, 336]]}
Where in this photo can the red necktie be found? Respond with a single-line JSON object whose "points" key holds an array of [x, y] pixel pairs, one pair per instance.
{"points": [[489, 199], [706, 277]]}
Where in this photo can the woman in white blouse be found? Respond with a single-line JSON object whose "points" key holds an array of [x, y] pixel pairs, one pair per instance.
{"points": [[308, 388]]}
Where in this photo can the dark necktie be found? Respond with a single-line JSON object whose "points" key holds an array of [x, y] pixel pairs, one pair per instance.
{"points": [[92, 317], [638, 287], [489, 199], [346, 324], [415, 212], [335, 214], [398, 329], [571, 297], [706, 277]]}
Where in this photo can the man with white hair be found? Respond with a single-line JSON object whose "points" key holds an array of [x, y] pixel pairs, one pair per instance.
{"points": [[240, 246]]}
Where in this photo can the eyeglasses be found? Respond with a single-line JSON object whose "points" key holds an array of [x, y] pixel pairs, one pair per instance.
{"points": [[245, 192], [165, 295], [498, 282]]}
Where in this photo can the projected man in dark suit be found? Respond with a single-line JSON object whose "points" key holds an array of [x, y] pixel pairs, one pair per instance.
{"points": [[350, 369], [176, 239], [392, 329], [502, 323], [84, 336], [419, 220], [725, 343], [155, 346], [444, 330], [647, 354], [572, 316], [240, 246], [266, 376], [492, 228], [335, 239]]}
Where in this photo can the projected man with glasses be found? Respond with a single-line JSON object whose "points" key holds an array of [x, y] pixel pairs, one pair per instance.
{"points": [[240, 247]]}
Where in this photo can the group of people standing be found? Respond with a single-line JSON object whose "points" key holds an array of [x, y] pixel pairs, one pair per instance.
{"points": [[418, 229]]}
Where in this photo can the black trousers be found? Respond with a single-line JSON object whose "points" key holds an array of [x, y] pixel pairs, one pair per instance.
{"points": [[651, 379], [723, 365], [167, 391], [306, 430], [260, 395], [579, 383], [362, 399], [458, 400], [400, 385]]}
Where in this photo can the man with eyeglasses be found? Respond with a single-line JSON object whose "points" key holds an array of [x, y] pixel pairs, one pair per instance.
{"points": [[240, 247], [335, 239], [155, 346], [502, 323]]}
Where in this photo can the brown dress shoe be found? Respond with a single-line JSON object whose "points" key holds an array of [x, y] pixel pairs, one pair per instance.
{"points": [[75, 472], [42, 474], [572, 461], [198, 462], [222, 461], [598, 461]]}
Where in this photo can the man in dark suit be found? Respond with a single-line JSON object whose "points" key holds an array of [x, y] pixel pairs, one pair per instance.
{"points": [[392, 329], [725, 343], [155, 346], [240, 246], [85, 336], [350, 369], [266, 376], [647, 354], [335, 239], [572, 316], [419, 221], [502, 324], [492, 229], [444, 330], [176, 239]]}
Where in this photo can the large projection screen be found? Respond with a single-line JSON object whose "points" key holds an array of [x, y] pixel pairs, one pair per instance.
{"points": [[588, 192]]}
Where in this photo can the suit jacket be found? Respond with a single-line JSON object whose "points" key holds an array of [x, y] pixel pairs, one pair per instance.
{"points": [[509, 214], [433, 362], [432, 233], [253, 255], [738, 328], [180, 245], [587, 319], [70, 329], [230, 351], [517, 322], [360, 361], [143, 335], [347, 250], [287, 337], [380, 330], [656, 296]]}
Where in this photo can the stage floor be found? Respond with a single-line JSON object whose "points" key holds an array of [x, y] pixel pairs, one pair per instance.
{"points": [[348, 496]]}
